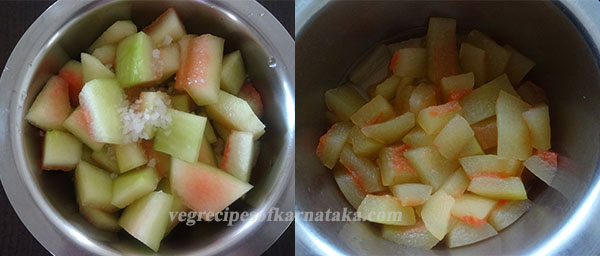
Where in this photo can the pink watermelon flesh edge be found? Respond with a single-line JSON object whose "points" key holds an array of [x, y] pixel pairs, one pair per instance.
{"points": [[204, 188]]}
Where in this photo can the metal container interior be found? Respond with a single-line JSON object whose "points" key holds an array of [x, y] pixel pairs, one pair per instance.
{"points": [[562, 37], [45, 201]]}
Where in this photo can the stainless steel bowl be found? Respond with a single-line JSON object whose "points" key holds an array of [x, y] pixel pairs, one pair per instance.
{"points": [[45, 201], [563, 37]]}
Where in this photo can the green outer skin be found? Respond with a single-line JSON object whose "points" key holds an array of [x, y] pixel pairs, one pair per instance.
{"points": [[147, 218], [94, 187], [183, 138], [102, 98], [130, 156], [133, 185], [233, 72], [61, 150], [133, 63], [79, 131]]}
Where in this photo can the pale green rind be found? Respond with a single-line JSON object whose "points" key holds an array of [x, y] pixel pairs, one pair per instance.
{"points": [[51, 106], [102, 98], [237, 159], [94, 187], [61, 151], [235, 113], [510, 188], [207, 155], [200, 72], [165, 186], [463, 234], [167, 24], [177, 207], [507, 214], [102, 220], [79, 131], [115, 33], [106, 158], [93, 68], [414, 236], [184, 136], [233, 72], [150, 103], [105, 54], [187, 178], [130, 156], [169, 61], [209, 133], [386, 210], [133, 63], [132, 185], [480, 103], [147, 218]]}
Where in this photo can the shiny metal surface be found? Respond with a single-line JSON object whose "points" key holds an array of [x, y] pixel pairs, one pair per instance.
{"points": [[563, 37], [45, 201]]}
